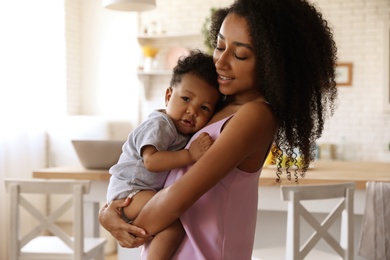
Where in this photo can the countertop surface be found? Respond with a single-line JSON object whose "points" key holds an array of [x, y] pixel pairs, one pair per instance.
{"points": [[320, 172], [72, 172]]}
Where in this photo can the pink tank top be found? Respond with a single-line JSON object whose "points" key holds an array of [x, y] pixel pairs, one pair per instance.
{"points": [[221, 224]]}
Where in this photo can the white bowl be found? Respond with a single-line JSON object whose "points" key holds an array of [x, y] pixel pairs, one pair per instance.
{"points": [[98, 154]]}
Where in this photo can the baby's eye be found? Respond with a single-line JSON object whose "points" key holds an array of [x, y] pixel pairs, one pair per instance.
{"points": [[205, 108], [185, 99]]}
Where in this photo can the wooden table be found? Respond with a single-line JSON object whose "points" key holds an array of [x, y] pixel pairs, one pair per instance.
{"points": [[321, 172], [69, 172]]}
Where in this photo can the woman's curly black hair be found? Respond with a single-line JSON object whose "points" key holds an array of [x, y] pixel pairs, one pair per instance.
{"points": [[295, 65]]}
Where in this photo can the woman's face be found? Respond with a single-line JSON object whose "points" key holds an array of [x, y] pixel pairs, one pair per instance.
{"points": [[234, 58]]}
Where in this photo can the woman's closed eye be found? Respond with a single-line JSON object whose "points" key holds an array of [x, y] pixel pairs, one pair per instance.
{"points": [[238, 57]]}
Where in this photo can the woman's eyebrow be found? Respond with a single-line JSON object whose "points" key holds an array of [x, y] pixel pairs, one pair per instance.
{"points": [[239, 44]]}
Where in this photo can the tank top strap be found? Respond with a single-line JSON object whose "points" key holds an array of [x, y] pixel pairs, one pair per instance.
{"points": [[215, 128]]}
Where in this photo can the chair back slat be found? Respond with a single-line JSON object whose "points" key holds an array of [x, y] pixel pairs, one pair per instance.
{"points": [[316, 192], [78, 223], [43, 186]]}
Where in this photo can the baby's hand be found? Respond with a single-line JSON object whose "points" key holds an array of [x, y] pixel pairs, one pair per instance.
{"points": [[200, 145]]}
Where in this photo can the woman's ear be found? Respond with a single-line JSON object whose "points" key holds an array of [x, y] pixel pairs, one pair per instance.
{"points": [[168, 94]]}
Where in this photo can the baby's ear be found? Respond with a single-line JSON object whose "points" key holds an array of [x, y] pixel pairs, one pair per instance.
{"points": [[168, 94]]}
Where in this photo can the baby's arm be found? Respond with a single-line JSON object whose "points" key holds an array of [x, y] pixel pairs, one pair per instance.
{"points": [[158, 161]]}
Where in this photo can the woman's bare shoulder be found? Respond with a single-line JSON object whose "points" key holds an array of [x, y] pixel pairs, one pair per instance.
{"points": [[249, 120], [256, 110]]}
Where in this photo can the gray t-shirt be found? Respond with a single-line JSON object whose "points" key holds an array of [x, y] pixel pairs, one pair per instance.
{"points": [[129, 174]]}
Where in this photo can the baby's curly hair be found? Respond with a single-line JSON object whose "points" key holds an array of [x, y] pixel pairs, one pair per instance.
{"points": [[198, 64], [295, 64]]}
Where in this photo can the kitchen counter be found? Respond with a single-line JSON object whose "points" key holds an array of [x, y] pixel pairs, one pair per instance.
{"points": [[72, 172], [320, 172]]}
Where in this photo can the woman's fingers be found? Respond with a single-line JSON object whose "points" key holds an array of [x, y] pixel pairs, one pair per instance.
{"points": [[117, 205], [128, 235]]}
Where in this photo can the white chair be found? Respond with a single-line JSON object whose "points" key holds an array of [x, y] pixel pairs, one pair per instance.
{"points": [[295, 250], [58, 245]]}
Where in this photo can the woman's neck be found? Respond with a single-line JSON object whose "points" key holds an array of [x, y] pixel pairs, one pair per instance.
{"points": [[241, 100], [232, 105]]}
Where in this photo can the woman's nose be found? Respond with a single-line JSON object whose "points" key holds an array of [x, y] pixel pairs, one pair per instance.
{"points": [[221, 60]]}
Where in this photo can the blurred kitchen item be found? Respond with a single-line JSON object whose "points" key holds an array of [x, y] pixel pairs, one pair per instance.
{"points": [[341, 149], [154, 28], [173, 56], [316, 151], [149, 51], [98, 154], [148, 64], [327, 151], [271, 159], [149, 61], [129, 5]]}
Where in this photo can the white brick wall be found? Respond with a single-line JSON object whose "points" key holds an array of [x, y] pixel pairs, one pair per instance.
{"points": [[360, 119]]}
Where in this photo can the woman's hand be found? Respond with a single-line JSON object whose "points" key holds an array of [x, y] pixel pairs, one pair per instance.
{"points": [[126, 234]]}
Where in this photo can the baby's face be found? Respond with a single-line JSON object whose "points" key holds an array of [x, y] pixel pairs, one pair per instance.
{"points": [[191, 103]]}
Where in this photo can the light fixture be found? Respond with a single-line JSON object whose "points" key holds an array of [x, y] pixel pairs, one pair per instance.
{"points": [[129, 5]]}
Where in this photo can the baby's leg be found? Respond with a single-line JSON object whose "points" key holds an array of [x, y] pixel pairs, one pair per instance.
{"points": [[165, 243], [137, 202]]}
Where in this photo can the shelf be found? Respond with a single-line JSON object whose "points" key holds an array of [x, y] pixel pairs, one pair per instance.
{"points": [[166, 35], [150, 78]]}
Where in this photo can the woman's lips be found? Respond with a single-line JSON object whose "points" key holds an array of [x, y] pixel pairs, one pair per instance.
{"points": [[224, 79]]}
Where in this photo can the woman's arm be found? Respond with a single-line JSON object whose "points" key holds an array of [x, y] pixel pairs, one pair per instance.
{"points": [[245, 138], [109, 216]]}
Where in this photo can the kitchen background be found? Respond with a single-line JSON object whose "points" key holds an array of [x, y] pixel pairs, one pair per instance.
{"points": [[69, 69]]}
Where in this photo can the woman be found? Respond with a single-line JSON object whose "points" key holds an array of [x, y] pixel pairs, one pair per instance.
{"points": [[275, 61]]}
